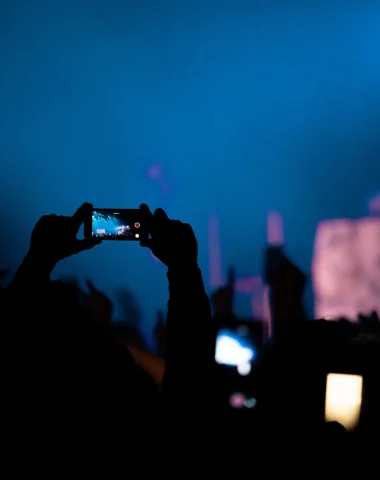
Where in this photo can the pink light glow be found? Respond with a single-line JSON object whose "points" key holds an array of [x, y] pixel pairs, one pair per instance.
{"points": [[374, 205], [247, 284], [155, 171], [345, 271], [275, 229]]}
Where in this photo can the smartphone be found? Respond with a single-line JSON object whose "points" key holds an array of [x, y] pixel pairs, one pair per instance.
{"points": [[343, 400], [237, 348], [116, 224]]}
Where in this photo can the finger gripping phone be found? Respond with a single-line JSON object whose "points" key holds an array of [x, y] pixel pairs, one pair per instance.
{"points": [[116, 224]]}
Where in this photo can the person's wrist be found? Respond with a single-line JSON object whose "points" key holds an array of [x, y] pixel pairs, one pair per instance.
{"points": [[184, 269], [32, 276], [39, 263]]}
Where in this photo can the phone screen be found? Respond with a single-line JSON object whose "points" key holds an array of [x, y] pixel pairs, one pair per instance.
{"points": [[343, 399], [117, 224], [237, 348]]}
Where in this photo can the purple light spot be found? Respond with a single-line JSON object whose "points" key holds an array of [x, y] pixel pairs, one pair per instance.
{"points": [[275, 229], [247, 284], [155, 171], [374, 204]]}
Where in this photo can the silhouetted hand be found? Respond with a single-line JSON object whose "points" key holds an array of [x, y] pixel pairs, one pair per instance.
{"points": [[73, 284], [55, 237], [286, 285], [130, 308], [99, 304], [223, 298], [334, 429], [160, 333], [371, 321], [274, 257], [280, 272], [370, 326], [290, 274], [172, 241]]}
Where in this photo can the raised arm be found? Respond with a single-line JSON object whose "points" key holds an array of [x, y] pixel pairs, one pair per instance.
{"points": [[190, 336], [53, 239]]}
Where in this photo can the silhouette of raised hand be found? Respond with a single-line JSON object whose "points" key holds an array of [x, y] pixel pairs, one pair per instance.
{"points": [[130, 308], [370, 322], [287, 283], [73, 284], [160, 334], [99, 305], [280, 271], [172, 241], [223, 299], [175, 245], [54, 237]]}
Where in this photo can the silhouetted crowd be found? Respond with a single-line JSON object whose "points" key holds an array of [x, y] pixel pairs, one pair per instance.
{"points": [[73, 379]]}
